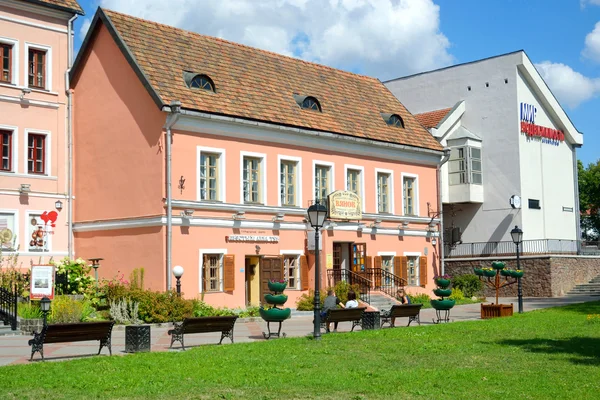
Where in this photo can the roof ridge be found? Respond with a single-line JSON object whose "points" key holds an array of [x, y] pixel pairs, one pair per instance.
{"points": [[432, 111], [245, 46]]}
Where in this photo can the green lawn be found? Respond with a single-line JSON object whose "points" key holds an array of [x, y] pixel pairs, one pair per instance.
{"points": [[547, 354]]}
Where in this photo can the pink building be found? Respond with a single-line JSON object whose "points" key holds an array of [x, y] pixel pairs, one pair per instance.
{"points": [[35, 52], [199, 152]]}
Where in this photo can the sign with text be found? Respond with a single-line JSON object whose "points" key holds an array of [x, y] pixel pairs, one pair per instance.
{"points": [[252, 238], [42, 282], [528, 127], [345, 205]]}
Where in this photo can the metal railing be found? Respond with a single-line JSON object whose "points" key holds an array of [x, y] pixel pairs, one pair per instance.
{"points": [[385, 281], [8, 306], [353, 278], [528, 247]]}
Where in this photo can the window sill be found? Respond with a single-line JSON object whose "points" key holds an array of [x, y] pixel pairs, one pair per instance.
{"points": [[33, 176], [34, 90]]}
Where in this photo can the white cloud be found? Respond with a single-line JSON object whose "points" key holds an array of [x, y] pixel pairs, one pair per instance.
{"points": [[85, 26], [570, 87], [592, 43], [584, 3], [382, 38]]}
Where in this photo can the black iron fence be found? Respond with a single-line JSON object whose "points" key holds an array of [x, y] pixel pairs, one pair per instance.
{"points": [[528, 247], [8, 306], [385, 281], [353, 278]]}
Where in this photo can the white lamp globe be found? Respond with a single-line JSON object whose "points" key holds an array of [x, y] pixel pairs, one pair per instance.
{"points": [[178, 271]]}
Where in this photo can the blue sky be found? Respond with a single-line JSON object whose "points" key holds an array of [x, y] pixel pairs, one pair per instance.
{"points": [[391, 38]]}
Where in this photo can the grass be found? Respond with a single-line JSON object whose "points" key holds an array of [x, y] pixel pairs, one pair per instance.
{"points": [[552, 353]]}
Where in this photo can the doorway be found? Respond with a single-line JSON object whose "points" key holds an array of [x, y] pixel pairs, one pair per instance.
{"points": [[271, 268]]}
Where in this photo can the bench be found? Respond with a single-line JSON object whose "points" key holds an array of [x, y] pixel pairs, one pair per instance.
{"points": [[203, 325], [336, 315], [79, 332], [402, 310]]}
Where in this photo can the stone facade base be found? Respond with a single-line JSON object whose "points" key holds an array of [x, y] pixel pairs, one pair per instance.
{"points": [[545, 276]]}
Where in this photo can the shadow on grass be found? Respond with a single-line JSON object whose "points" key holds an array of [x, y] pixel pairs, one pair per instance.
{"points": [[591, 307], [585, 350]]}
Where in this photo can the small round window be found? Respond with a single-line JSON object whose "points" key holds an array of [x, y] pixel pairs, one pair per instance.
{"points": [[202, 82], [395, 120], [310, 103]]}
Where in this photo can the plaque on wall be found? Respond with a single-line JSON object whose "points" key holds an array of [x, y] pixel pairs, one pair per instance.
{"points": [[345, 205]]}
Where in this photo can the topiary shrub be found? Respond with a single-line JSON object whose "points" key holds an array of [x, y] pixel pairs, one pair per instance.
{"points": [[65, 310], [469, 284], [422, 298], [457, 294], [306, 302]]}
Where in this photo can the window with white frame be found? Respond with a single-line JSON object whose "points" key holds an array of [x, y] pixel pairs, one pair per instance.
{"points": [[291, 269], [288, 182], [408, 195], [353, 181], [322, 179], [212, 272], [40, 233], [387, 264], [464, 166], [6, 150], [252, 180], [37, 153], [6, 62], [413, 270], [8, 231], [383, 192], [210, 176]]}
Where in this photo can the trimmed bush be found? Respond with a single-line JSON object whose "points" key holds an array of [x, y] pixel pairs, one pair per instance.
{"points": [[457, 294], [469, 284]]}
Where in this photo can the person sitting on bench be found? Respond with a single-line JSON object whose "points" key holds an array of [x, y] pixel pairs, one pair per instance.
{"points": [[402, 298], [331, 302]]}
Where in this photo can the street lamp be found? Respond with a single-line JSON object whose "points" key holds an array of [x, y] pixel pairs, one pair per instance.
{"points": [[45, 307], [317, 213], [517, 238], [96, 265], [178, 272]]}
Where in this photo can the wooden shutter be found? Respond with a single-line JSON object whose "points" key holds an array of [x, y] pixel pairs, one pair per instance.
{"points": [[423, 270], [377, 273], [228, 273], [368, 262], [403, 268], [304, 272]]}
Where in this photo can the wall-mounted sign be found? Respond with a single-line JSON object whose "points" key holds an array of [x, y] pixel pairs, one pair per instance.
{"points": [[252, 238], [42, 282], [344, 205], [515, 201], [528, 127], [568, 209]]}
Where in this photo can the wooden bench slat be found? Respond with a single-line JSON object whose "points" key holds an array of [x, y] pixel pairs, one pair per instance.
{"points": [[412, 311], [223, 324]]}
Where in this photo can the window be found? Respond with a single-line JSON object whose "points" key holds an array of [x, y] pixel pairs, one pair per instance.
{"points": [[310, 103], [36, 154], [353, 181], [202, 82], [39, 234], [6, 150], [396, 121], [321, 182], [387, 264], [8, 234], [37, 68], [252, 180], [212, 272], [291, 271], [413, 270], [383, 192], [6, 62], [209, 176], [408, 195], [465, 166], [288, 182], [535, 204]]}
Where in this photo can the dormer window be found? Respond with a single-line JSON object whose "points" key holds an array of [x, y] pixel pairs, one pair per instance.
{"points": [[308, 102], [198, 81], [393, 120]]}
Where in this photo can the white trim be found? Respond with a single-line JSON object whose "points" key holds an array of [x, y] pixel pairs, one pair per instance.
{"points": [[418, 267], [32, 194], [15, 152], [298, 161], [416, 189], [386, 254], [449, 121], [331, 166], [35, 25], [48, 61], [222, 171], [298, 254], [14, 79], [36, 253], [38, 103], [201, 253], [362, 181], [17, 223], [391, 194], [48, 237], [47, 148], [263, 175]]}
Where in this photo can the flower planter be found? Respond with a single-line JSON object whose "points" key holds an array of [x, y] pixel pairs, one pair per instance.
{"points": [[442, 283], [478, 271], [277, 287], [496, 310], [277, 299], [275, 314], [488, 273], [505, 272], [137, 338], [516, 274], [442, 292], [442, 304], [498, 265]]}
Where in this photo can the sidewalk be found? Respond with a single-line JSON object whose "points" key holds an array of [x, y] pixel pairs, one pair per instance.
{"points": [[15, 350]]}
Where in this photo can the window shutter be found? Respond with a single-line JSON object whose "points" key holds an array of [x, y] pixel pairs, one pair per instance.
{"points": [[423, 270], [377, 274], [403, 268], [368, 262], [228, 273], [304, 272]]}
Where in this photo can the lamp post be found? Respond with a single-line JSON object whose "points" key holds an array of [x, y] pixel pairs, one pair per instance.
{"points": [[517, 238], [96, 265], [45, 307], [317, 213], [178, 272]]}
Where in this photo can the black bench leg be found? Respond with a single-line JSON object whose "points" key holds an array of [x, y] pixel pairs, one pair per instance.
{"points": [[35, 348], [354, 324], [107, 343], [228, 334], [176, 337]]}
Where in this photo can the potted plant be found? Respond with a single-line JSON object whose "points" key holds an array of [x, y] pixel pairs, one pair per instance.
{"points": [[505, 272], [443, 281], [478, 271], [516, 273], [498, 265], [489, 272], [277, 285]]}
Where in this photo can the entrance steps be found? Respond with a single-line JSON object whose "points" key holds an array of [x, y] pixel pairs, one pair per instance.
{"points": [[6, 331], [382, 301], [591, 288]]}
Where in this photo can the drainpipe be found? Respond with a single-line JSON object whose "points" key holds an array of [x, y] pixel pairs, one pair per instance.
{"points": [[174, 113], [576, 205], [69, 136], [439, 185]]}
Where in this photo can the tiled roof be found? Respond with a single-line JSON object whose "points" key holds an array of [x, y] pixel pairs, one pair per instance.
{"points": [[65, 5], [259, 85], [431, 119]]}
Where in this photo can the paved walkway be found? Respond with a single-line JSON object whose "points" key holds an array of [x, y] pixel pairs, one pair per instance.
{"points": [[15, 350]]}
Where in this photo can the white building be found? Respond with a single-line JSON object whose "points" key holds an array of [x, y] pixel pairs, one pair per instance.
{"points": [[508, 136]]}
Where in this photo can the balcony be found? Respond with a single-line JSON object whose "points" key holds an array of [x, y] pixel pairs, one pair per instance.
{"points": [[528, 247]]}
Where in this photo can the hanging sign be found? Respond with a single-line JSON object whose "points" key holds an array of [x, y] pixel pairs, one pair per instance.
{"points": [[42, 282], [344, 205]]}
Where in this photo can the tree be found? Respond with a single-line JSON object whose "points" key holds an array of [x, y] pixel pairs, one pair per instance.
{"points": [[589, 200]]}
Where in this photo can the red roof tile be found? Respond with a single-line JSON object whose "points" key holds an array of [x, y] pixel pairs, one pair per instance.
{"points": [[65, 5], [431, 119]]}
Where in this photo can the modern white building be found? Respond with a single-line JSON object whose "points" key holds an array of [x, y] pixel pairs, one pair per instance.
{"points": [[509, 139]]}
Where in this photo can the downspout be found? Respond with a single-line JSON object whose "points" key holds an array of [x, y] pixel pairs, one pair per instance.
{"points": [[69, 94], [576, 206], [439, 185], [174, 113]]}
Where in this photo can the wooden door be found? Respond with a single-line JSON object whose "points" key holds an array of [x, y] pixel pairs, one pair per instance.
{"points": [[271, 268], [359, 253]]}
